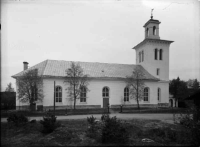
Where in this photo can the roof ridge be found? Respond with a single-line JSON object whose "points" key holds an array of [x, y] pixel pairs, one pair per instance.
{"points": [[44, 67], [92, 62]]}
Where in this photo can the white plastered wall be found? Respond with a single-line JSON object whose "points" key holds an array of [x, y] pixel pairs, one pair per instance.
{"points": [[150, 64], [94, 96]]}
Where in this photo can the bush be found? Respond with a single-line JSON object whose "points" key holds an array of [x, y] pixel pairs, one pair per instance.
{"points": [[49, 123], [91, 120], [17, 118], [114, 131], [94, 128], [191, 120], [108, 130]]}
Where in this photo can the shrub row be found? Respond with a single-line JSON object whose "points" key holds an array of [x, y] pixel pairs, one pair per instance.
{"points": [[17, 119], [49, 123]]}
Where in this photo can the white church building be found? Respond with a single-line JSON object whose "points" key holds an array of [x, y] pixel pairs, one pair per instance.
{"points": [[107, 80]]}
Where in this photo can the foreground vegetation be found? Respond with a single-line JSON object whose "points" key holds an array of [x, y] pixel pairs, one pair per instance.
{"points": [[62, 112], [91, 132]]}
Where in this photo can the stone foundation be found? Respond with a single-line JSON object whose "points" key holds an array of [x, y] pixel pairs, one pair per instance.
{"points": [[46, 108], [163, 104], [135, 105], [71, 107], [24, 107]]}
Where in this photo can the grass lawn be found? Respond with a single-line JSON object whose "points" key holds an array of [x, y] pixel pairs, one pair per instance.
{"points": [[73, 133]]}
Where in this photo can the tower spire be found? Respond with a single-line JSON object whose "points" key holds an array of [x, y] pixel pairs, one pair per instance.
{"points": [[152, 13]]}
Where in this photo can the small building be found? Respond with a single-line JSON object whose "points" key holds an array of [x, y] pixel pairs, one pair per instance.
{"points": [[8, 100], [172, 101]]}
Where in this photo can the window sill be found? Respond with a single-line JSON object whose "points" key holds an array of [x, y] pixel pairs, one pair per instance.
{"points": [[58, 103], [146, 101], [83, 103], [127, 102]]}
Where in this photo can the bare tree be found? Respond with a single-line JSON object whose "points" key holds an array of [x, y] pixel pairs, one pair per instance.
{"points": [[9, 88], [76, 80], [30, 87], [135, 82]]}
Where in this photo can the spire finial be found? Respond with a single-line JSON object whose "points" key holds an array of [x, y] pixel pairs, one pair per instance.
{"points": [[152, 13]]}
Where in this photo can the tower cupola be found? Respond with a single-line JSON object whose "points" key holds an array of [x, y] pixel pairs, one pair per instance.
{"points": [[152, 29]]}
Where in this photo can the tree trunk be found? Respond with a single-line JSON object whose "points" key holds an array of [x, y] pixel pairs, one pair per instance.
{"points": [[137, 98], [138, 104], [74, 103], [74, 97]]}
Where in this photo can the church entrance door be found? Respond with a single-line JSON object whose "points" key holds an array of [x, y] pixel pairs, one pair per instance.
{"points": [[105, 102]]}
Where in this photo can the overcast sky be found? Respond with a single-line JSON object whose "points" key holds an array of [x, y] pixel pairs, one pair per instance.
{"points": [[96, 31]]}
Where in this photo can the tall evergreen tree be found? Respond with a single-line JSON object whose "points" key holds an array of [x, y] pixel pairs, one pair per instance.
{"points": [[178, 89]]}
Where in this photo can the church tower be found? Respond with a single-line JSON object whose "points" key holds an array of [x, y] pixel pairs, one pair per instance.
{"points": [[153, 53]]}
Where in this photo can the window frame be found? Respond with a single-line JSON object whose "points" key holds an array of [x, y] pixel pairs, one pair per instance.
{"points": [[139, 57], [147, 31], [106, 94], [126, 94], [154, 30], [156, 54], [161, 54], [58, 94], [159, 94], [146, 94], [142, 56], [158, 71], [83, 94]]}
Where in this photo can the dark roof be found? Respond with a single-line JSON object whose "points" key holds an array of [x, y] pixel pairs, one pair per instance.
{"points": [[57, 68], [151, 40]]}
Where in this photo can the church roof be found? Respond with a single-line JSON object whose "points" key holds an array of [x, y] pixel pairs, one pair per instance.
{"points": [[151, 40], [151, 21], [57, 68]]}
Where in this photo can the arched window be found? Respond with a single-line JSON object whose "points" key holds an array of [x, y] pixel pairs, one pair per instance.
{"points": [[156, 50], [158, 94], [147, 32], [154, 30], [83, 94], [161, 51], [126, 94], [146, 94], [105, 92], [58, 94]]}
